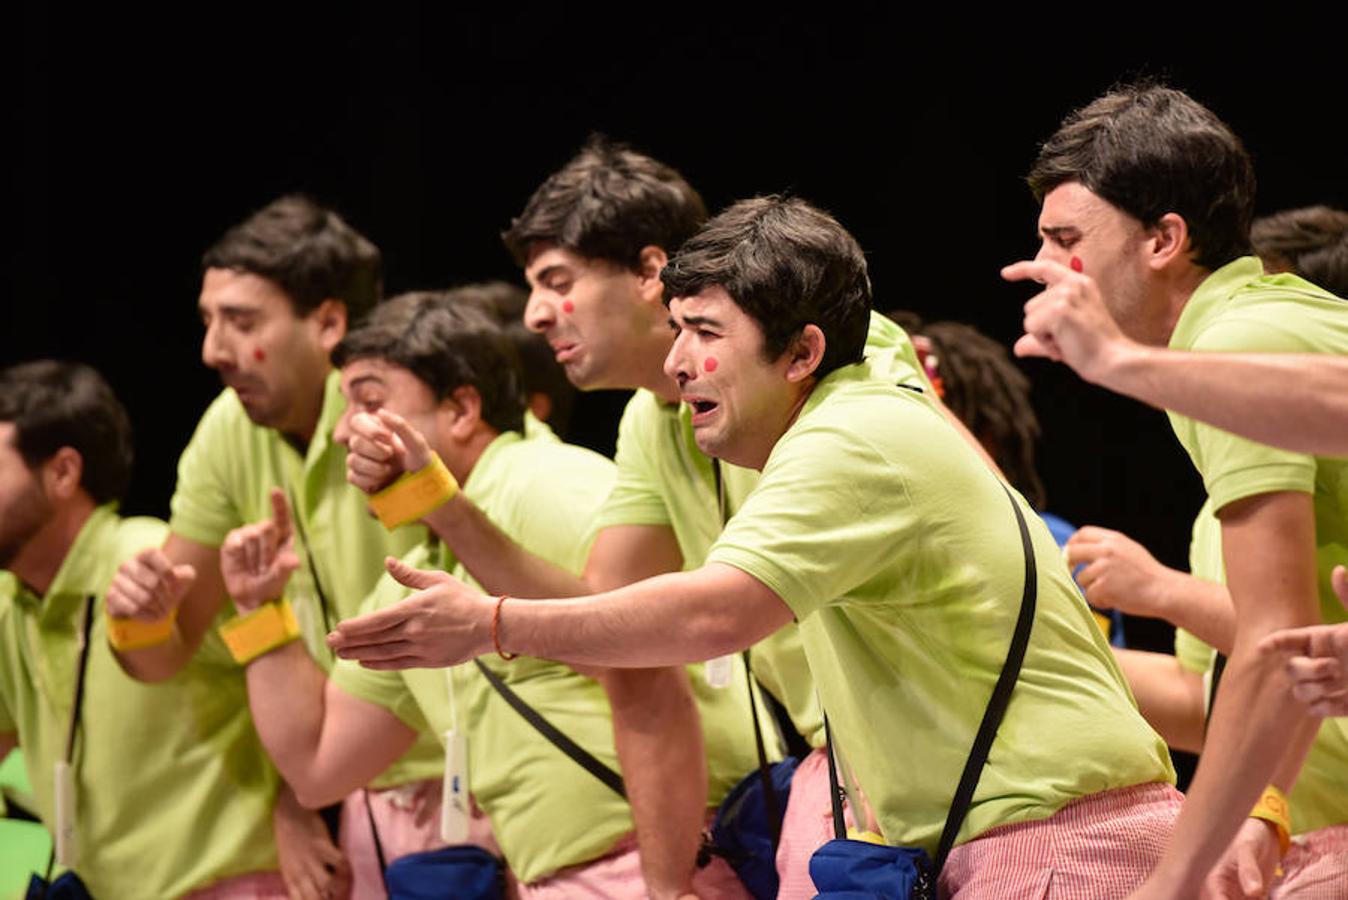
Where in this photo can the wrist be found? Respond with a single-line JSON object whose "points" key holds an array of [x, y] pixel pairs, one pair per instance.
{"points": [[1119, 365], [267, 628]]}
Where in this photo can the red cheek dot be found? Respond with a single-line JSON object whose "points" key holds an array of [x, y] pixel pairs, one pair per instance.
{"points": [[259, 354], [568, 306], [710, 364], [1075, 263]]}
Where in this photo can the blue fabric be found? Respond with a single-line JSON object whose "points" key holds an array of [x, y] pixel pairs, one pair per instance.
{"points": [[65, 887], [857, 870], [742, 833], [464, 872]]}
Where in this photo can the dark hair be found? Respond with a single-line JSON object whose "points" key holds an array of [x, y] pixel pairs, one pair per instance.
{"points": [[1311, 241], [55, 404], [787, 264], [505, 303], [445, 344], [985, 390], [308, 250], [1151, 150], [608, 203]]}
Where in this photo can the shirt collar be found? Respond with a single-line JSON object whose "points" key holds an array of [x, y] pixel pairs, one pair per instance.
{"points": [[1207, 299]]}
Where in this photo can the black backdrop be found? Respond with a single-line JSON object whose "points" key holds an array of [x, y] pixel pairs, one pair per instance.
{"points": [[136, 139]]}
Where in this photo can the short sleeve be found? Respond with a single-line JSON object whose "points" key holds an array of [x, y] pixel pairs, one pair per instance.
{"points": [[636, 498], [204, 508], [825, 517], [1233, 467], [1192, 654]]}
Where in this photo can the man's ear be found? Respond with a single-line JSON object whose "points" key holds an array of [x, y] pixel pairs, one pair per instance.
{"points": [[62, 472], [463, 412], [1167, 241], [330, 319], [650, 262], [806, 353]]}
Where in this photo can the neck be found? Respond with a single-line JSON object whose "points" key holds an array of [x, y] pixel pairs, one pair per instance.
{"points": [[462, 458], [761, 453], [652, 376], [40, 559], [1176, 295], [300, 431]]}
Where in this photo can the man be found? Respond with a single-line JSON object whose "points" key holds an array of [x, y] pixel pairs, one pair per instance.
{"points": [[592, 241], [172, 794], [1295, 401], [1146, 202], [447, 379], [894, 548], [278, 292]]}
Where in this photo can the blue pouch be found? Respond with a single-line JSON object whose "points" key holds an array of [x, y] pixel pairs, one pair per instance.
{"points": [[66, 886], [856, 870], [746, 828], [464, 872]]}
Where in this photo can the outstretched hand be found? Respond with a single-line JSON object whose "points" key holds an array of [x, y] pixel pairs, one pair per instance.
{"points": [[1068, 321], [444, 623], [1317, 658], [383, 446], [257, 560]]}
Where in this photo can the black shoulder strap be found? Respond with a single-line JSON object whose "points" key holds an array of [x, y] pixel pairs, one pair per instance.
{"points": [[772, 802], [583, 758], [1001, 695], [992, 716]]}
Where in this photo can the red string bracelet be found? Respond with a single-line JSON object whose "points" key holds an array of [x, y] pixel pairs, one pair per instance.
{"points": [[496, 629]]}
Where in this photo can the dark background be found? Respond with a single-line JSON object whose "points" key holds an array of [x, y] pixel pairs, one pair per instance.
{"points": [[136, 139]]}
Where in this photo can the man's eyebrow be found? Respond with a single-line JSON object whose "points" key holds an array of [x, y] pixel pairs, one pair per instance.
{"points": [[542, 275], [364, 379], [1057, 231], [231, 309], [699, 320]]}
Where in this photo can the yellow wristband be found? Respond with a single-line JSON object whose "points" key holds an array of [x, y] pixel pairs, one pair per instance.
{"points": [[1274, 808], [133, 634], [414, 494], [264, 629]]}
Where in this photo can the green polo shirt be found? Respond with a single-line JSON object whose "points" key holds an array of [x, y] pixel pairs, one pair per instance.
{"points": [[546, 812], [896, 548], [225, 477], [664, 479], [174, 790], [1239, 309]]}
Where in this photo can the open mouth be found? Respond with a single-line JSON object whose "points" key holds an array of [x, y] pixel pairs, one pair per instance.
{"points": [[701, 408]]}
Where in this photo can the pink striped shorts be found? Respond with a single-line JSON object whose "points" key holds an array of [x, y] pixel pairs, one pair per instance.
{"points": [[1316, 866], [1100, 846], [617, 876]]}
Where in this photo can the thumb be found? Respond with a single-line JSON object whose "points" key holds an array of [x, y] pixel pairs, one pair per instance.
{"points": [[407, 576], [1247, 871], [186, 574], [1340, 581], [1029, 345]]}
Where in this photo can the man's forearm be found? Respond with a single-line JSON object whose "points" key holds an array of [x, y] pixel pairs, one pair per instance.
{"points": [[658, 735], [1202, 608], [1295, 401], [286, 695], [665, 621], [499, 564], [1254, 734]]}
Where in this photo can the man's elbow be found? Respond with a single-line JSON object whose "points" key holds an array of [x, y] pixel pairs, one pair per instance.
{"points": [[317, 793]]}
